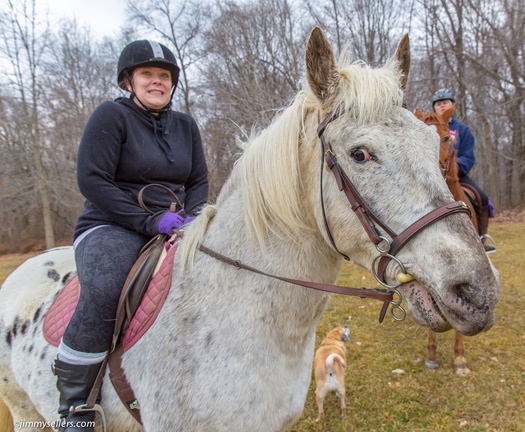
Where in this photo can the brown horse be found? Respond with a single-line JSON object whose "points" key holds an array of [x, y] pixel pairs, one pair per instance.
{"points": [[449, 168], [448, 156]]}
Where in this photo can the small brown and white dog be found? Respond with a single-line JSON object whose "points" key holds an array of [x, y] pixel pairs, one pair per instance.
{"points": [[329, 367]]}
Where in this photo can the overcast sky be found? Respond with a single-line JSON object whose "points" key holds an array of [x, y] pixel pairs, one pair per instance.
{"points": [[104, 17]]}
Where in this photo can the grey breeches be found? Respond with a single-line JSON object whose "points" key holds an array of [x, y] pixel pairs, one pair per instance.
{"points": [[104, 258]]}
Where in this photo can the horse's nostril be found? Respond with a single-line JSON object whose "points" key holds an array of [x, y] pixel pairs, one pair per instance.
{"points": [[464, 289], [465, 294]]}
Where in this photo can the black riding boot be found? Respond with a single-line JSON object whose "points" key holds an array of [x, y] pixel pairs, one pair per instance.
{"points": [[74, 382], [483, 225]]}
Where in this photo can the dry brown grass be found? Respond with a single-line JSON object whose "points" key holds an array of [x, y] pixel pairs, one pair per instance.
{"points": [[491, 398], [9, 262]]}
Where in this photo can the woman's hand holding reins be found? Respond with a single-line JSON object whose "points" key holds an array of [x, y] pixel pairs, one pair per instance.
{"points": [[171, 221]]}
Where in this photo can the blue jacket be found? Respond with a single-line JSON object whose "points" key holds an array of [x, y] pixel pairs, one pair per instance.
{"points": [[464, 144]]}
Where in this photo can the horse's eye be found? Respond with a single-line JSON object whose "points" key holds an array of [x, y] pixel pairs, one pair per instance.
{"points": [[446, 139], [361, 155]]}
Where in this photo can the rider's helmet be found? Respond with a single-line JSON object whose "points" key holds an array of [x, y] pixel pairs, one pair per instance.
{"points": [[443, 94], [147, 54]]}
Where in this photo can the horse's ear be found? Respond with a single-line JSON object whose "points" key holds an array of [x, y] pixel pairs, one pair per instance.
{"points": [[418, 114], [448, 113], [320, 65], [402, 55]]}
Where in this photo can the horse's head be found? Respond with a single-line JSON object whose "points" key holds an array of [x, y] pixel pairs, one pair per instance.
{"points": [[390, 158], [348, 129], [447, 156]]}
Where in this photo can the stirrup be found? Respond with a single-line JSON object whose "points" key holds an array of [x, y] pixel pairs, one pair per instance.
{"points": [[490, 246], [84, 409]]}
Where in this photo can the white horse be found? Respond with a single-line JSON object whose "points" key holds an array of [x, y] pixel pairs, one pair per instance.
{"points": [[232, 350]]}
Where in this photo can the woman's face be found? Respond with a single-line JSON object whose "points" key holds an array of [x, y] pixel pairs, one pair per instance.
{"points": [[152, 86], [442, 105]]}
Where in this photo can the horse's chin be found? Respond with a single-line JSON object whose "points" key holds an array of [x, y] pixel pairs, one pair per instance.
{"points": [[423, 307]]}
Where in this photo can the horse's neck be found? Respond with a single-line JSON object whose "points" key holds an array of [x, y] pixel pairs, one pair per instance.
{"points": [[455, 186], [291, 313], [308, 258], [453, 178]]}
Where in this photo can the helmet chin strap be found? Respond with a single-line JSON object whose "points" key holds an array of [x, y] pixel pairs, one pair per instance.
{"points": [[151, 110]]}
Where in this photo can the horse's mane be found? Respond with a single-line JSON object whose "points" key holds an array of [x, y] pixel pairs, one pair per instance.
{"points": [[269, 170]]}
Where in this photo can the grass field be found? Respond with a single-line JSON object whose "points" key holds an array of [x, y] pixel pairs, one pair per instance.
{"points": [[490, 398]]}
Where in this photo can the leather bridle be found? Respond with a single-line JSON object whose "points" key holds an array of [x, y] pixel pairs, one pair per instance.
{"points": [[389, 246]]}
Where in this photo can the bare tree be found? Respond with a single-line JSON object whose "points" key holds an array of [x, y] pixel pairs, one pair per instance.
{"points": [[178, 23], [475, 47], [88, 68], [499, 59], [241, 61], [252, 67], [25, 43], [16, 188], [52, 90], [371, 28]]}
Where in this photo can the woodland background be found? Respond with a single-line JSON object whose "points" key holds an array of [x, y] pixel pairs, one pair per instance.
{"points": [[241, 61]]}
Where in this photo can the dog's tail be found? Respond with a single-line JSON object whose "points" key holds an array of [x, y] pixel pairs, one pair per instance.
{"points": [[334, 363]]}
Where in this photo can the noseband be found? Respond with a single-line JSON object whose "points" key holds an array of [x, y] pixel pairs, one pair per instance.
{"points": [[389, 246]]}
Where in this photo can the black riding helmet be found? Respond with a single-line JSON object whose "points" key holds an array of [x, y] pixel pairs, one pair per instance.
{"points": [[147, 54]]}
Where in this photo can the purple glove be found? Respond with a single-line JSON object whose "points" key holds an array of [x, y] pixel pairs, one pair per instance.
{"points": [[491, 210], [170, 221], [188, 220]]}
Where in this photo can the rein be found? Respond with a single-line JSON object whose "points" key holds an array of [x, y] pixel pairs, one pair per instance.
{"points": [[387, 297], [387, 247], [446, 164]]}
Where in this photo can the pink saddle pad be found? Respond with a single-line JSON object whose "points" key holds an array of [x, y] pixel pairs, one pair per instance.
{"points": [[61, 311], [64, 305]]}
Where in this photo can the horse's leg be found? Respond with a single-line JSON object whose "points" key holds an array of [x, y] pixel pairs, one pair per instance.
{"points": [[460, 362], [431, 358]]}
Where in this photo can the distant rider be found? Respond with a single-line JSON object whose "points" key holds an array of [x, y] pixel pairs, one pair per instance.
{"points": [[464, 143]]}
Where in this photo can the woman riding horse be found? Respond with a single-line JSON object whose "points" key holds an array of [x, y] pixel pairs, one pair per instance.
{"points": [[126, 145], [464, 143]]}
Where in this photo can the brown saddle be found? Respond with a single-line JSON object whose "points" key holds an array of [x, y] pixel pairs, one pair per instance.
{"points": [[473, 196]]}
